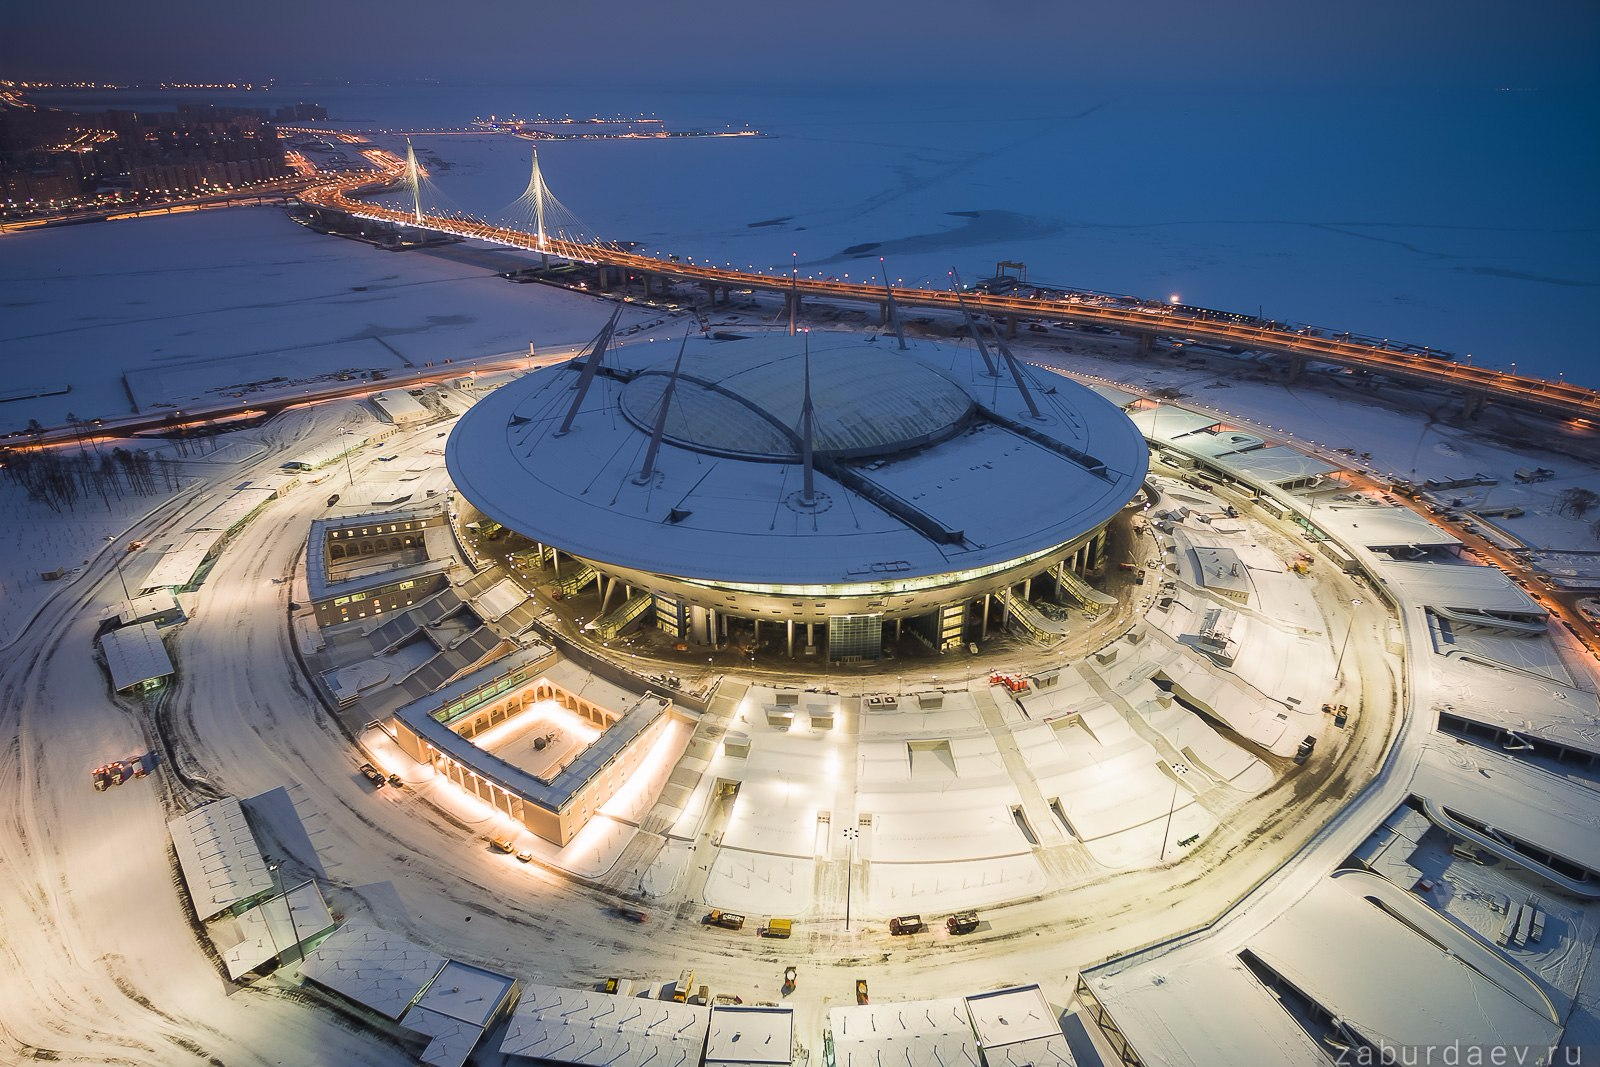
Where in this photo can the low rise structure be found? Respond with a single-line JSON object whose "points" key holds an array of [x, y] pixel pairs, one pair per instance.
{"points": [[576, 1026], [401, 408], [556, 800], [748, 1035], [363, 565], [136, 657]]}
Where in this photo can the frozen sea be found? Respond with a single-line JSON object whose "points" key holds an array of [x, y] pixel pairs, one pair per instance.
{"points": [[1464, 220]]}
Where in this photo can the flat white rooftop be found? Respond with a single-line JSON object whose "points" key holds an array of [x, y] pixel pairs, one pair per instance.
{"points": [[1461, 585], [1397, 973], [904, 1034], [747, 1036], [181, 559], [135, 654], [1017, 1027]]}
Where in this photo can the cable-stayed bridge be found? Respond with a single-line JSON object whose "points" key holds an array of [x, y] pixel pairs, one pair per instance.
{"points": [[547, 227]]}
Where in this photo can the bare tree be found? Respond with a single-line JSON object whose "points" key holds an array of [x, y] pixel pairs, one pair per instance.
{"points": [[1576, 501]]}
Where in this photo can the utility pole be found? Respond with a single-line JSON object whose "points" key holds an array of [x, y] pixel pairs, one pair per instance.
{"points": [[850, 835]]}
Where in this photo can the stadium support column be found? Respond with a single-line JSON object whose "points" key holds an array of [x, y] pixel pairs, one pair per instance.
{"points": [[790, 624], [1011, 327], [1145, 347], [1295, 369], [983, 631]]}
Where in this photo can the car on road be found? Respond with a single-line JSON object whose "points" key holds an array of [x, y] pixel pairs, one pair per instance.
{"points": [[634, 915], [726, 919], [374, 775]]}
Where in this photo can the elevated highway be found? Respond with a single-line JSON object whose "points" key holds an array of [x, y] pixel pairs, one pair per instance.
{"points": [[344, 193]]}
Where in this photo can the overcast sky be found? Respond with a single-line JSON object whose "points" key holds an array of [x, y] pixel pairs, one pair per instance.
{"points": [[1497, 43]]}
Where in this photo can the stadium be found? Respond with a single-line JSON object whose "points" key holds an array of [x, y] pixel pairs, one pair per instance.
{"points": [[828, 485]]}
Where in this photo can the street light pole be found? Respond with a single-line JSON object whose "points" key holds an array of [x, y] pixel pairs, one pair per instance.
{"points": [[344, 432], [1338, 666], [289, 905], [850, 835]]}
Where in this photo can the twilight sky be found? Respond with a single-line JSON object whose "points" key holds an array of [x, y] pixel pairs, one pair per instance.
{"points": [[976, 43]]}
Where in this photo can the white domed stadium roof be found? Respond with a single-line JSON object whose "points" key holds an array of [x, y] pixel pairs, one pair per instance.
{"points": [[925, 464]]}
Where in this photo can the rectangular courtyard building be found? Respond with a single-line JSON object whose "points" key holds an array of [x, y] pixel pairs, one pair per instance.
{"points": [[364, 565], [549, 768]]}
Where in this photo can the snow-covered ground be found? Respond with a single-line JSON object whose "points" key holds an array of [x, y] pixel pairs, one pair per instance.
{"points": [[101, 957], [224, 302]]}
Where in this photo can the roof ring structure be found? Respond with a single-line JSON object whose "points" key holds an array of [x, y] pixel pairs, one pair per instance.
{"points": [[733, 401]]}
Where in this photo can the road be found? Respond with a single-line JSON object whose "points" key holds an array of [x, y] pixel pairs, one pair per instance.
{"points": [[1563, 399]]}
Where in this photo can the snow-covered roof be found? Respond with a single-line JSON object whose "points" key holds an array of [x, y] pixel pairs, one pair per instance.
{"points": [[554, 1025], [400, 406], [219, 857], [180, 561], [926, 463], [1385, 527], [320, 455], [277, 925], [372, 967], [1460, 585], [239, 505], [139, 608], [1399, 974], [135, 654], [1517, 800], [904, 1034], [452, 1040], [317, 582], [454, 1010], [637, 710], [1207, 1012], [1016, 1027], [745, 1035], [1221, 568], [499, 600], [471, 994], [1272, 464]]}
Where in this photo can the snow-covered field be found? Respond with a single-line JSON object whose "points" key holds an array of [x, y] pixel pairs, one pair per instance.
{"points": [[222, 302]]}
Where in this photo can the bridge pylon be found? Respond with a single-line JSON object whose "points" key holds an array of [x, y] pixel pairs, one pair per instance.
{"points": [[414, 182]]}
